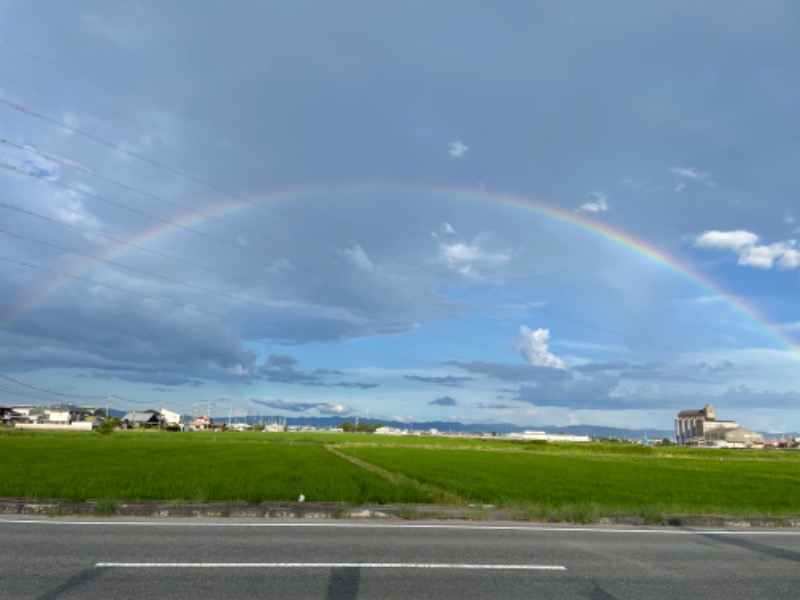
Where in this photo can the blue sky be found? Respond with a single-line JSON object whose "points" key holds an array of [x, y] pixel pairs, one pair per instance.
{"points": [[374, 268]]}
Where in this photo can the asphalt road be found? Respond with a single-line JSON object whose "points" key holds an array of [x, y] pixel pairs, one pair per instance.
{"points": [[335, 560]]}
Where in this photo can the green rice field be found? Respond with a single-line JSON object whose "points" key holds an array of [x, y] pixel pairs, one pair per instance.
{"points": [[92, 467], [693, 483], [541, 481]]}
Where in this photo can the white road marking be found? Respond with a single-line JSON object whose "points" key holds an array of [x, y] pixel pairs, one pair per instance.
{"points": [[522, 528], [322, 565]]}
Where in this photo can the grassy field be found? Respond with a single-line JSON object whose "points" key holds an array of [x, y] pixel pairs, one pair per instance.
{"points": [[579, 482], [172, 468]]}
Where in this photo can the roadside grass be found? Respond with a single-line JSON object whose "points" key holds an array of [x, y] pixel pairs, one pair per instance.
{"points": [[97, 467], [582, 487]]}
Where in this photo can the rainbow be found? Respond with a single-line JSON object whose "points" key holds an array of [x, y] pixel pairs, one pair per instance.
{"points": [[624, 240]]}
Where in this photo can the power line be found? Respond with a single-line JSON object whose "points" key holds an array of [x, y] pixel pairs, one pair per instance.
{"points": [[190, 263], [199, 287], [19, 171], [33, 387], [127, 244], [195, 286], [219, 240], [449, 314], [105, 285], [35, 114], [87, 171]]}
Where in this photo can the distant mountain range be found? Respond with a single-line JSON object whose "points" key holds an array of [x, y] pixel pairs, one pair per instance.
{"points": [[458, 427]]}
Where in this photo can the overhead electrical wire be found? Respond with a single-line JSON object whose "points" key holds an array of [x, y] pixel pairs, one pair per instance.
{"points": [[78, 190], [33, 387], [104, 199], [115, 288], [38, 115]]}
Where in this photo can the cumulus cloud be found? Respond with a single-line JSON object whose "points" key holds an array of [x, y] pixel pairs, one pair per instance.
{"points": [[444, 401], [782, 255], [322, 408], [532, 345], [598, 204], [457, 149], [358, 258], [684, 174], [729, 240]]}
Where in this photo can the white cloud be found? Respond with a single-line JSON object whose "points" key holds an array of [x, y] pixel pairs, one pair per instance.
{"points": [[280, 265], [532, 345], [788, 219], [358, 258], [729, 240], [72, 210], [457, 149], [790, 259], [684, 174], [598, 205], [688, 173], [782, 255], [444, 228], [463, 254]]}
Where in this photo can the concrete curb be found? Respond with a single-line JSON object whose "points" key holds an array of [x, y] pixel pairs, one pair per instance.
{"points": [[299, 510]]}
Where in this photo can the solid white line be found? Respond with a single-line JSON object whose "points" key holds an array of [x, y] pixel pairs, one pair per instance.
{"points": [[521, 528], [330, 566]]}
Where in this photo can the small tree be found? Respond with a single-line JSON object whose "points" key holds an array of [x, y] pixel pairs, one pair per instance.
{"points": [[108, 426]]}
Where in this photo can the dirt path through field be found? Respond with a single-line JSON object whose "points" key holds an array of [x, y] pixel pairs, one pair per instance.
{"points": [[438, 495]]}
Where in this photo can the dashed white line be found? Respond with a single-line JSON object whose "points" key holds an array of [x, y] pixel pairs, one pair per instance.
{"points": [[324, 565]]}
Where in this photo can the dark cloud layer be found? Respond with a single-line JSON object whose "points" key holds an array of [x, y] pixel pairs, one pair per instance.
{"points": [[444, 401], [447, 380]]}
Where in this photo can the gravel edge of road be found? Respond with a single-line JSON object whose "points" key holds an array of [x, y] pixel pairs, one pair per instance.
{"points": [[336, 511]]}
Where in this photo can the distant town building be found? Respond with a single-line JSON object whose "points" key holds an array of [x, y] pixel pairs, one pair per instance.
{"points": [[702, 428], [141, 419], [202, 422], [390, 431], [543, 436], [275, 427], [170, 418], [49, 417]]}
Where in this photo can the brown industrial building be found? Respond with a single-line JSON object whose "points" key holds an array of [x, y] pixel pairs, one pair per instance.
{"points": [[701, 428]]}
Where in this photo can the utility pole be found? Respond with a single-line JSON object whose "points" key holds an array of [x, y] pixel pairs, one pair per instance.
{"points": [[108, 401]]}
